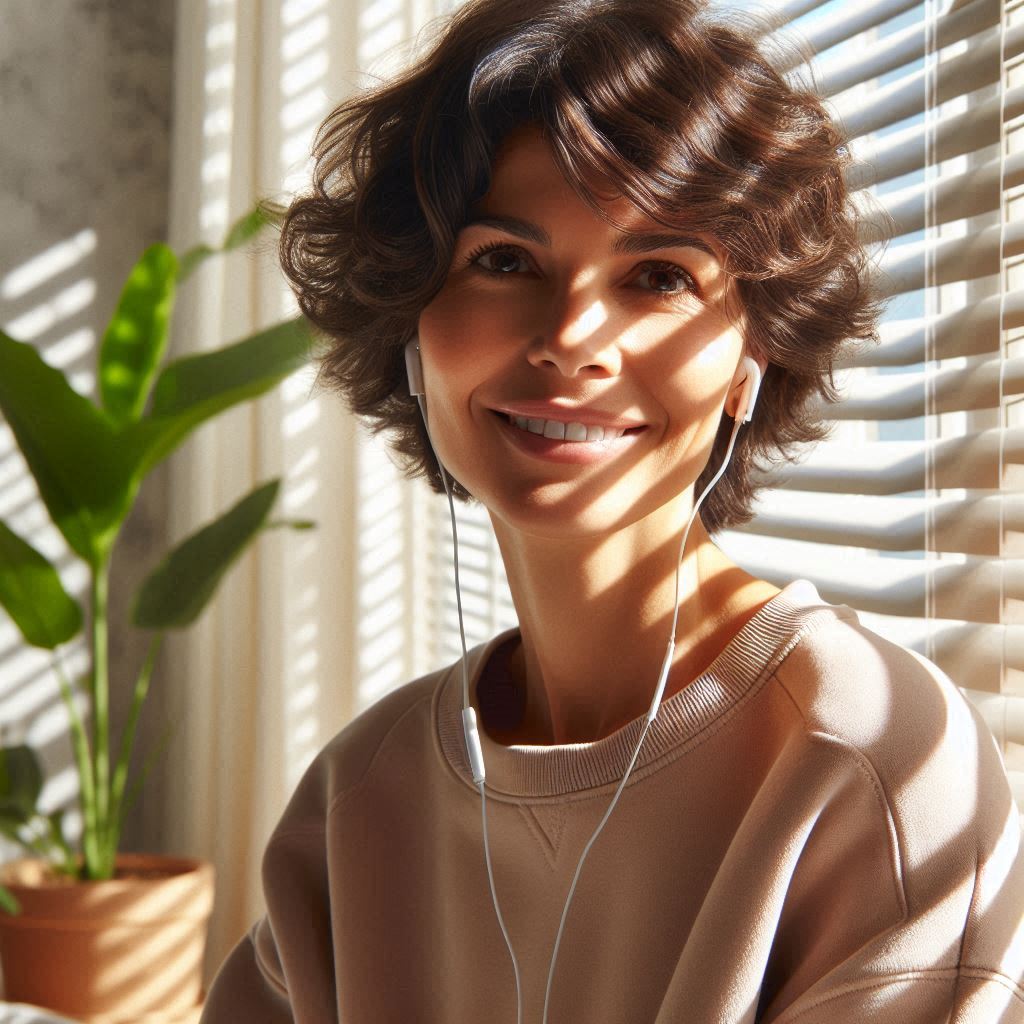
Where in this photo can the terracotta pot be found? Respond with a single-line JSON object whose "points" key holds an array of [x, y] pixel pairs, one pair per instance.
{"points": [[124, 951]]}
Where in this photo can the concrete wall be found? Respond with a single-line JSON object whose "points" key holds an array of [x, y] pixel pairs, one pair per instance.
{"points": [[85, 120]]}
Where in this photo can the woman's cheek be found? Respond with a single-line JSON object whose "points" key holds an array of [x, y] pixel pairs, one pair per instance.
{"points": [[478, 320]]}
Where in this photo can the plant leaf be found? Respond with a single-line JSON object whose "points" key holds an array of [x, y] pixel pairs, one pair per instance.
{"points": [[196, 388], [176, 592], [247, 227], [81, 748], [154, 754], [32, 594], [291, 524], [128, 740], [83, 475], [134, 342], [193, 258], [21, 782], [252, 365], [9, 902]]}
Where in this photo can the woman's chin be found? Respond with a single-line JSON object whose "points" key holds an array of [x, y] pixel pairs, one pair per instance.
{"points": [[557, 512]]}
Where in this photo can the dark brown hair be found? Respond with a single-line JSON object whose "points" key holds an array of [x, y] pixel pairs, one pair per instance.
{"points": [[678, 109]]}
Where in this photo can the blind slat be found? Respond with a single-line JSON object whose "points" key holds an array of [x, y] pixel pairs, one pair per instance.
{"points": [[893, 467], [967, 72], [967, 258], [971, 331], [1003, 715], [829, 30], [972, 525], [967, 592], [954, 197], [781, 13], [902, 395]]}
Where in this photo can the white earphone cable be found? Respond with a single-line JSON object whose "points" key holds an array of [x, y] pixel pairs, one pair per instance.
{"points": [[497, 909], [466, 704]]}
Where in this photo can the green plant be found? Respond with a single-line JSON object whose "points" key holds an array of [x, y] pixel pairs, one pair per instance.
{"points": [[88, 461]]}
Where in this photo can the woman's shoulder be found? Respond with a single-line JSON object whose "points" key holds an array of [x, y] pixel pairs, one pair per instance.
{"points": [[344, 761], [904, 721], [850, 681]]}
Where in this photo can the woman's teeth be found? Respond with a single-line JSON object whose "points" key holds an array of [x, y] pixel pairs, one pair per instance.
{"points": [[566, 431]]}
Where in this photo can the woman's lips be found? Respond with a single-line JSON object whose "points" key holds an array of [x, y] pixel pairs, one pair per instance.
{"points": [[558, 449], [558, 430], [559, 413]]}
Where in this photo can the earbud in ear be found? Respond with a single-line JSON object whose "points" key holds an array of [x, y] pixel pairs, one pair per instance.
{"points": [[751, 386], [413, 366]]}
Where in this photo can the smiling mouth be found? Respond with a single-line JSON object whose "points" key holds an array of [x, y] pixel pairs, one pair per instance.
{"points": [[558, 430]]}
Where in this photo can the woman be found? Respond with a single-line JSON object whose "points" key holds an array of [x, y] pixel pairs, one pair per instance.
{"points": [[593, 228]]}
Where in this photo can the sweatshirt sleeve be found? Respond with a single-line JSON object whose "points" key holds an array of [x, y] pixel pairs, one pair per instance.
{"points": [[957, 955], [902, 977], [883, 984], [248, 985], [283, 969]]}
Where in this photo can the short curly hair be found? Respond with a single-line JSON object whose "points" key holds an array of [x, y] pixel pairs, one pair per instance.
{"points": [[679, 109]]}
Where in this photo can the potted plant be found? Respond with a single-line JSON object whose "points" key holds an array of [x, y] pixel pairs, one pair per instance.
{"points": [[88, 931]]}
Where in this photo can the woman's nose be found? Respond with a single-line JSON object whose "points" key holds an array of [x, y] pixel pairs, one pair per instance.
{"points": [[577, 340]]}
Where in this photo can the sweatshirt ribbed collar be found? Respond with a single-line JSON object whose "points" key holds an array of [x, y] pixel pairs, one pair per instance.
{"points": [[523, 771]]}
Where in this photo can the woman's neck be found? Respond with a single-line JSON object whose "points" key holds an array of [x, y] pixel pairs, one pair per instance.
{"points": [[595, 620]]}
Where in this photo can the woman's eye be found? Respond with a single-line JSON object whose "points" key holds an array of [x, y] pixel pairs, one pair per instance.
{"points": [[499, 260], [666, 278]]}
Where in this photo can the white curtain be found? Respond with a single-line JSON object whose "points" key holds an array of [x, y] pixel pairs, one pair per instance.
{"points": [[314, 627]]}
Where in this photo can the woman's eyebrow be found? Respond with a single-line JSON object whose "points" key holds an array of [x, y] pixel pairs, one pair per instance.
{"points": [[637, 243], [627, 243], [524, 229]]}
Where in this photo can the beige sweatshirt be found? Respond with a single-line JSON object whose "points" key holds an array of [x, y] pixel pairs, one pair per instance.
{"points": [[818, 830]]}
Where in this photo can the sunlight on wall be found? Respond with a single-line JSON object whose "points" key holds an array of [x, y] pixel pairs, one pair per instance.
{"points": [[381, 578], [300, 40], [218, 120]]}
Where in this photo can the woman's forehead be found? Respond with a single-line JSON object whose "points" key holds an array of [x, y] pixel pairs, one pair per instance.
{"points": [[526, 174]]}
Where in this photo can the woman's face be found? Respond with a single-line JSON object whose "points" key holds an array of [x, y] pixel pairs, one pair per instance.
{"points": [[554, 320]]}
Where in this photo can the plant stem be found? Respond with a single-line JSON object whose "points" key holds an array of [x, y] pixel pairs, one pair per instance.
{"points": [[101, 720], [58, 843], [155, 752], [117, 808], [84, 763]]}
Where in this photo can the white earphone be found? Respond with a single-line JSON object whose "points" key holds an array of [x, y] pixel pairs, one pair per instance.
{"points": [[744, 414], [751, 387], [414, 366]]}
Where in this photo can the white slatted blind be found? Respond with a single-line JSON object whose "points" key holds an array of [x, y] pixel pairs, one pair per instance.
{"points": [[912, 512]]}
